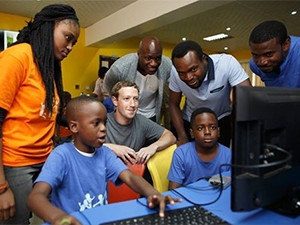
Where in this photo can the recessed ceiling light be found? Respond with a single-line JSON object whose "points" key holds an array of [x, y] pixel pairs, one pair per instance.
{"points": [[226, 48], [294, 12], [216, 37], [228, 28], [184, 38]]}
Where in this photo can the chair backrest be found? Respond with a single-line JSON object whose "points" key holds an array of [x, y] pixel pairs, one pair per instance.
{"points": [[123, 192], [159, 165]]}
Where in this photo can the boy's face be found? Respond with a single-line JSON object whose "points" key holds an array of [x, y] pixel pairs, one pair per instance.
{"points": [[127, 103], [205, 130], [91, 127]]}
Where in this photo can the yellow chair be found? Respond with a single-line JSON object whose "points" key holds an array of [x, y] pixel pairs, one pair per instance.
{"points": [[159, 165]]}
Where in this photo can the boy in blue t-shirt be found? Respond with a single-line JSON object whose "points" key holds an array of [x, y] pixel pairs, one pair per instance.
{"points": [[76, 173], [203, 156]]}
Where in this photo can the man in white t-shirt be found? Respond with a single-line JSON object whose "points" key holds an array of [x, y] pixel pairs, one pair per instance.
{"points": [[205, 81]]}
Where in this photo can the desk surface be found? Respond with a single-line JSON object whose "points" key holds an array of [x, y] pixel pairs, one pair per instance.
{"points": [[200, 194]]}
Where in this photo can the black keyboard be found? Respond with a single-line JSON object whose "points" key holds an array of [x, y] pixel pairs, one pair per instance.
{"points": [[196, 215]]}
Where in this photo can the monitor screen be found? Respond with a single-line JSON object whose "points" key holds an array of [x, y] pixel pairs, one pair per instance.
{"points": [[266, 149]]}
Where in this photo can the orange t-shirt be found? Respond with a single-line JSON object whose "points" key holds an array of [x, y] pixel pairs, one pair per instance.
{"points": [[28, 128]]}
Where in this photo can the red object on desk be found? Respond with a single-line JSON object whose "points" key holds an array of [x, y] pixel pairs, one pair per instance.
{"points": [[123, 192]]}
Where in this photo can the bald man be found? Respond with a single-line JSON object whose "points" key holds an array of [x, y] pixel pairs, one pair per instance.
{"points": [[150, 70]]}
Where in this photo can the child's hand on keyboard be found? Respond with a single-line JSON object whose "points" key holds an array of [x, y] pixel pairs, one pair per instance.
{"points": [[161, 201]]}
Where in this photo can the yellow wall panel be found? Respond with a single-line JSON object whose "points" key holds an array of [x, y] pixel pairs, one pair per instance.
{"points": [[81, 66]]}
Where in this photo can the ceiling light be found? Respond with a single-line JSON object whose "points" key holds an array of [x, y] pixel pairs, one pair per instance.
{"points": [[216, 37], [184, 38], [294, 12], [228, 28], [226, 48]]}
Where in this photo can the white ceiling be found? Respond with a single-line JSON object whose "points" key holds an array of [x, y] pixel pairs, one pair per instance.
{"points": [[194, 21]]}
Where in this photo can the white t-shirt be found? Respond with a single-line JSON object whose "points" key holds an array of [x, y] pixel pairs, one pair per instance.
{"points": [[148, 86]]}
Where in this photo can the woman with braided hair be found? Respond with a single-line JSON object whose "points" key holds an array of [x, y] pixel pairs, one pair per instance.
{"points": [[30, 103]]}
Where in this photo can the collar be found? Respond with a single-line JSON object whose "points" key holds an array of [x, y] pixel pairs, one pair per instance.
{"points": [[84, 153], [210, 68]]}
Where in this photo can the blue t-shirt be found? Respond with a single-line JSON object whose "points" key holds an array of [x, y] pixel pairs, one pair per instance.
{"points": [[109, 105], [187, 167], [289, 75], [79, 182]]}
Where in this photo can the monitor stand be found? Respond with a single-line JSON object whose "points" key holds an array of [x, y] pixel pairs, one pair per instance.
{"points": [[289, 205]]}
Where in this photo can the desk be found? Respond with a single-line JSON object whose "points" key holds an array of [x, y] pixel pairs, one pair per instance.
{"points": [[132, 208]]}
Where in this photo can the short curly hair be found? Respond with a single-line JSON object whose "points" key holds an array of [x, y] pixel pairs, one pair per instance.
{"points": [[184, 47], [268, 30], [200, 111]]}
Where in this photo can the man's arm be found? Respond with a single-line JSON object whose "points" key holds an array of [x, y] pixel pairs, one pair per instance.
{"points": [[39, 203], [97, 88], [166, 139], [245, 83], [176, 116], [126, 154]]}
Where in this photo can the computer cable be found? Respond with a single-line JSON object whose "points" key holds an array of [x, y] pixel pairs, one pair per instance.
{"points": [[257, 166], [221, 184], [206, 203], [191, 186], [139, 201], [288, 157]]}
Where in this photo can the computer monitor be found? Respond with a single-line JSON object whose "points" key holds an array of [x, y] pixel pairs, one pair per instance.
{"points": [[266, 149]]}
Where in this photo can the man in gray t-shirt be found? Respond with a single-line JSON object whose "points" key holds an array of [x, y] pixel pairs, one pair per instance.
{"points": [[129, 132]]}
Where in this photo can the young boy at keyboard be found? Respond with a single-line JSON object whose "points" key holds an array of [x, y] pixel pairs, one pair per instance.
{"points": [[202, 157], [76, 173]]}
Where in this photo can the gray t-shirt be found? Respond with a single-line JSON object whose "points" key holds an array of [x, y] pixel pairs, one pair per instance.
{"points": [[135, 135]]}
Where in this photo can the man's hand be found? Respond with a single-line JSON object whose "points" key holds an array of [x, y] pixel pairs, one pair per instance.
{"points": [[161, 201], [128, 155], [144, 154]]}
